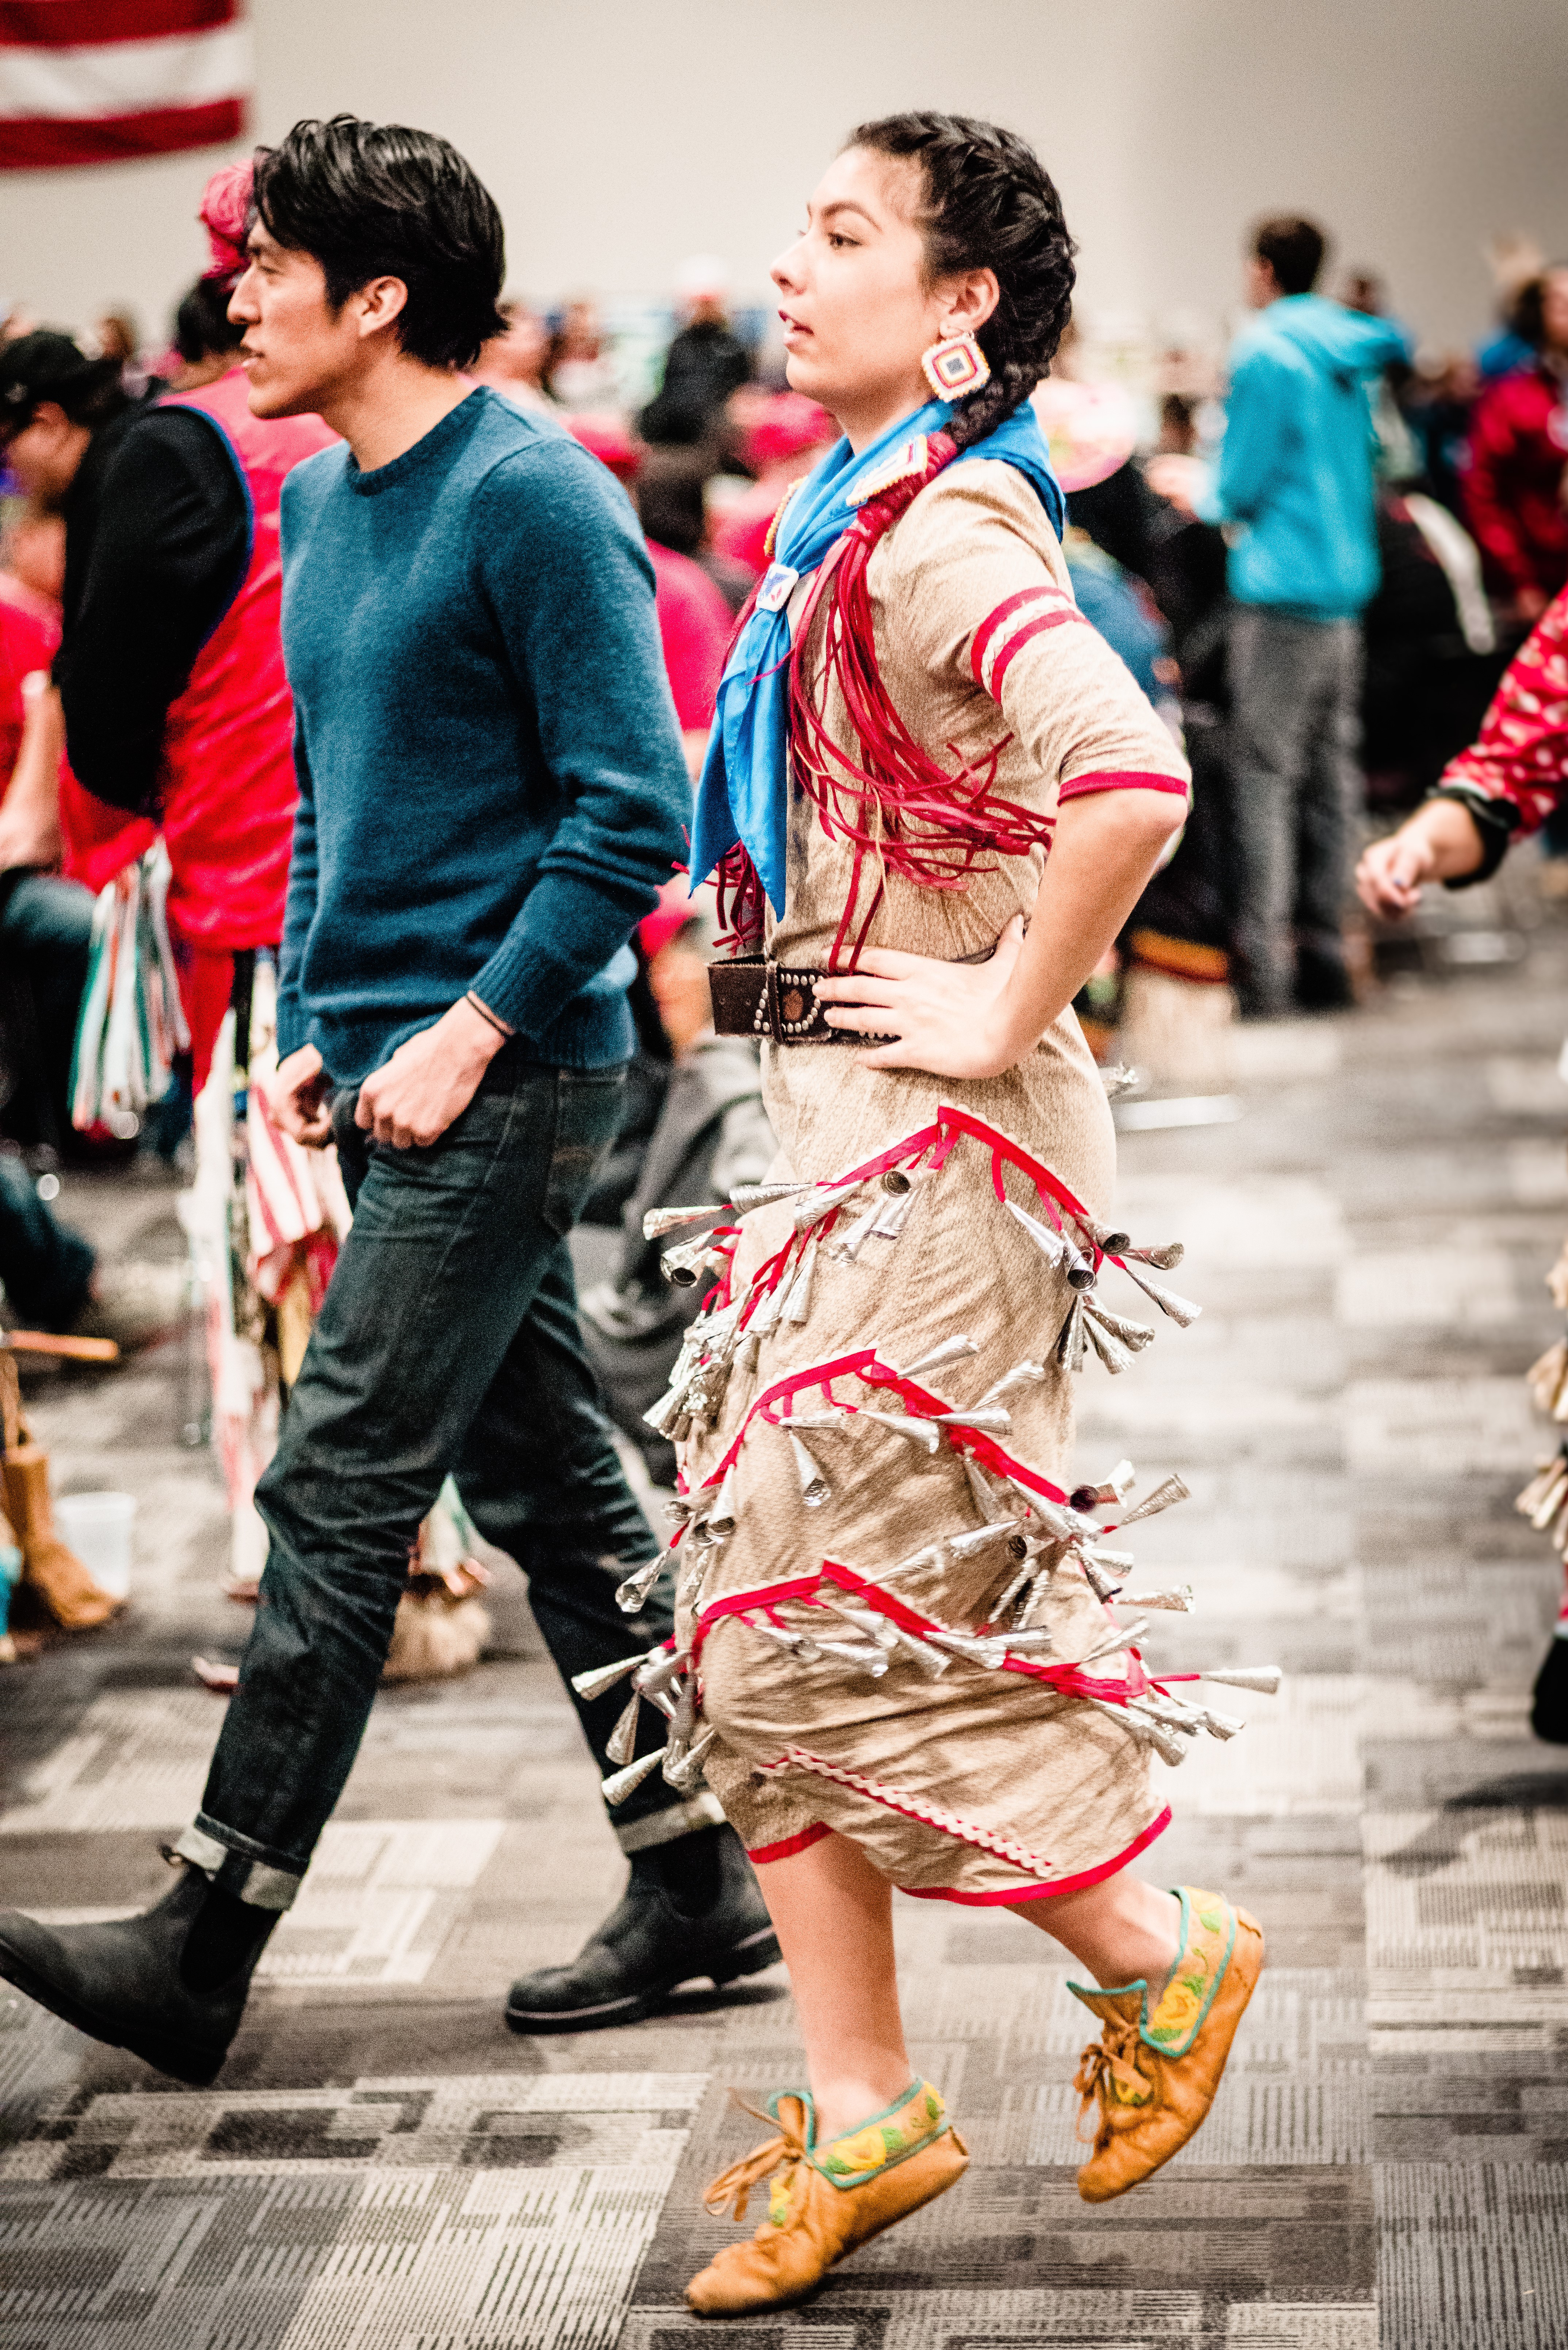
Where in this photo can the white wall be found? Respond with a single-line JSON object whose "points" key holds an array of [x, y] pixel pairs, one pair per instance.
{"points": [[620, 135]]}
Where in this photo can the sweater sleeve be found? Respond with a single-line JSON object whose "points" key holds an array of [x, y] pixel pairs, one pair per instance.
{"points": [[1515, 772], [299, 908], [564, 567], [170, 540]]}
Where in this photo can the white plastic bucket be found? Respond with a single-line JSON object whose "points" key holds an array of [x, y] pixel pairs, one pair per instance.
{"points": [[97, 1526]]}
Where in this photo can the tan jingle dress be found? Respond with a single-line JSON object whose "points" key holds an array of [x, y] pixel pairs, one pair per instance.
{"points": [[979, 1780]]}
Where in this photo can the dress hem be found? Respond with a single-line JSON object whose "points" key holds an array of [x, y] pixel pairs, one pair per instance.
{"points": [[1078, 1884]]}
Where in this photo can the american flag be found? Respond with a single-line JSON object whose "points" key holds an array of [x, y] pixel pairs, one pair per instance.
{"points": [[95, 82]]}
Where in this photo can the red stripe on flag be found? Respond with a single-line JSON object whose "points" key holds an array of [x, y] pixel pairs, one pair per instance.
{"points": [[75, 24], [39, 144]]}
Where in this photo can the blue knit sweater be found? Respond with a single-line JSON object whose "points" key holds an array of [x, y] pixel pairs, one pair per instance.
{"points": [[491, 778]]}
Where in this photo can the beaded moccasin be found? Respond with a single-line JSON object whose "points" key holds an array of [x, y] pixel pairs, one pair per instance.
{"points": [[824, 2200], [1153, 2074]]}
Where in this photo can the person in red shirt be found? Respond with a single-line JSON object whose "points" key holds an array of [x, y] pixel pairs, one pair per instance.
{"points": [[1512, 779], [1514, 488], [695, 626]]}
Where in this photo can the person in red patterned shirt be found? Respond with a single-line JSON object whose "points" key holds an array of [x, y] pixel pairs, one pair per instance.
{"points": [[1512, 777], [1513, 485]]}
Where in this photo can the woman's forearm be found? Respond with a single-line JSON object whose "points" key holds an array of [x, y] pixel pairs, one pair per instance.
{"points": [[1104, 851]]}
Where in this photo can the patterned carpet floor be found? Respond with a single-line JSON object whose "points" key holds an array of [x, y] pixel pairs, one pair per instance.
{"points": [[383, 2167]]}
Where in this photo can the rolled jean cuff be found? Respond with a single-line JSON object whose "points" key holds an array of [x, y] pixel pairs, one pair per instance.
{"points": [[241, 1873], [703, 1811]]}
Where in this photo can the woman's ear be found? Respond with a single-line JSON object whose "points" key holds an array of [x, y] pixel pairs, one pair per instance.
{"points": [[969, 301]]}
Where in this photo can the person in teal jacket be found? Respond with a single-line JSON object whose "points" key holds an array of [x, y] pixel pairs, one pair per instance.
{"points": [[1297, 488]]}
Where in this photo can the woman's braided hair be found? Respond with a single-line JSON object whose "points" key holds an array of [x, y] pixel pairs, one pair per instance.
{"points": [[990, 204]]}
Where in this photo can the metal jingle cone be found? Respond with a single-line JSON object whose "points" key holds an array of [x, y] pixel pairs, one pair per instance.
{"points": [[1181, 1310], [988, 1498], [919, 1431], [1052, 1245], [1136, 1336], [865, 1656], [893, 1215], [1170, 1743], [683, 1721], [1021, 1374], [844, 1249], [1069, 1346], [1165, 1496], [1182, 1601], [1147, 1732], [615, 1789], [1220, 1725], [811, 1211], [835, 1417], [1118, 1560], [684, 1772], [991, 1419], [690, 1589], [867, 1620], [631, 1595], [1025, 1574], [924, 1561], [660, 1221], [966, 1546], [801, 1288], [1023, 1643], [898, 1183], [678, 1509], [600, 1678], [1104, 1586], [1111, 1351], [661, 1417], [814, 1489], [1266, 1677], [684, 1265], [660, 1671], [1113, 1644], [621, 1743], [1079, 1268], [988, 1653], [950, 1350], [1546, 1509], [722, 1516], [747, 1196], [1165, 1260], [746, 1354], [1108, 1237]]}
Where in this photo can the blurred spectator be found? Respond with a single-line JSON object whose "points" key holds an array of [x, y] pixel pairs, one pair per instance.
{"points": [[1439, 401], [673, 509], [579, 371], [1295, 483], [705, 364], [782, 436], [695, 625], [1514, 488], [514, 363], [1515, 261], [1432, 661], [205, 338], [1178, 427]]}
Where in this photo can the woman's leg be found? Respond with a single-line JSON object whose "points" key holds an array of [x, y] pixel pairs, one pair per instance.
{"points": [[833, 1915], [1122, 1930]]}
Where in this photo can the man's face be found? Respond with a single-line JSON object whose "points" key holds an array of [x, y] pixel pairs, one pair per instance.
{"points": [[46, 453], [297, 350], [1260, 284], [1555, 309]]}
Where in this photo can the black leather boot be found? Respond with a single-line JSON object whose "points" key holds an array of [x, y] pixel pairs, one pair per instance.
{"points": [[692, 1908], [170, 1985], [1549, 1706]]}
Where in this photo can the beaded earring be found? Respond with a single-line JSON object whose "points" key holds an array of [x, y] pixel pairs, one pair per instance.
{"points": [[955, 367]]}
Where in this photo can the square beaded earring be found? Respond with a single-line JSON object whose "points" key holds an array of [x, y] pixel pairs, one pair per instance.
{"points": [[955, 367]]}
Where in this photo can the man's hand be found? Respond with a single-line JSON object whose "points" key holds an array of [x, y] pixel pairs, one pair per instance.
{"points": [[948, 1016], [428, 1081], [297, 1097], [30, 819]]}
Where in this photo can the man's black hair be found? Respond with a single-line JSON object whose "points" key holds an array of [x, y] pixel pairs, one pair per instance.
{"points": [[49, 364], [1294, 249], [202, 326], [1528, 315], [376, 200]]}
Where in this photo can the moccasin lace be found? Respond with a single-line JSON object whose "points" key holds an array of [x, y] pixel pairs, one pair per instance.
{"points": [[731, 2190], [1112, 2058]]}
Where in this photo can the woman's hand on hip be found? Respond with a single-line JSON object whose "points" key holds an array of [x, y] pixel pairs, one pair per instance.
{"points": [[949, 1018]]}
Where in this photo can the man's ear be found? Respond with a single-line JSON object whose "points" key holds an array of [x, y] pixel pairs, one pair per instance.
{"points": [[380, 303]]}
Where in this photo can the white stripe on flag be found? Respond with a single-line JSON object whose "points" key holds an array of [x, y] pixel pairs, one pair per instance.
{"points": [[110, 77]]}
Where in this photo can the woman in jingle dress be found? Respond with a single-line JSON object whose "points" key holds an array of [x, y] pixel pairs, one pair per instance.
{"points": [[894, 1659]]}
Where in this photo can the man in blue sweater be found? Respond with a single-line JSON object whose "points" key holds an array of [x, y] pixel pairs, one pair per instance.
{"points": [[1296, 485], [492, 791]]}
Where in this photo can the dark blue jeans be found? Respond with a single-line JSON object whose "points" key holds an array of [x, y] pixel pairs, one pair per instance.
{"points": [[448, 1341], [45, 929]]}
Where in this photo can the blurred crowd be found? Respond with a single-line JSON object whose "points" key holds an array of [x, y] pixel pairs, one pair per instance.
{"points": [[1316, 558]]}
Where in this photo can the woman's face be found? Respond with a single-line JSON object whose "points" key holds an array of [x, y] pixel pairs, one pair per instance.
{"points": [[856, 306], [1555, 309]]}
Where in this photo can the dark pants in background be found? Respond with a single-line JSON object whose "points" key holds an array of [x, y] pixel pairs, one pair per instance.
{"points": [[45, 1267], [45, 929], [448, 1341], [1295, 692]]}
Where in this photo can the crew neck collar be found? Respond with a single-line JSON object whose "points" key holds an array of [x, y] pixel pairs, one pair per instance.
{"points": [[453, 426]]}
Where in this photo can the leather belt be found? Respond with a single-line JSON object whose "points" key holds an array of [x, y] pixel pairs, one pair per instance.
{"points": [[753, 997]]}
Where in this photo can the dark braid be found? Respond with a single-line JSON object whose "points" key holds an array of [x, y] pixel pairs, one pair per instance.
{"points": [[990, 204]]}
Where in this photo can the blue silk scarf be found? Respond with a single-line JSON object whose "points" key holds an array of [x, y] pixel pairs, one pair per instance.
{"points": [[745, 787]]}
